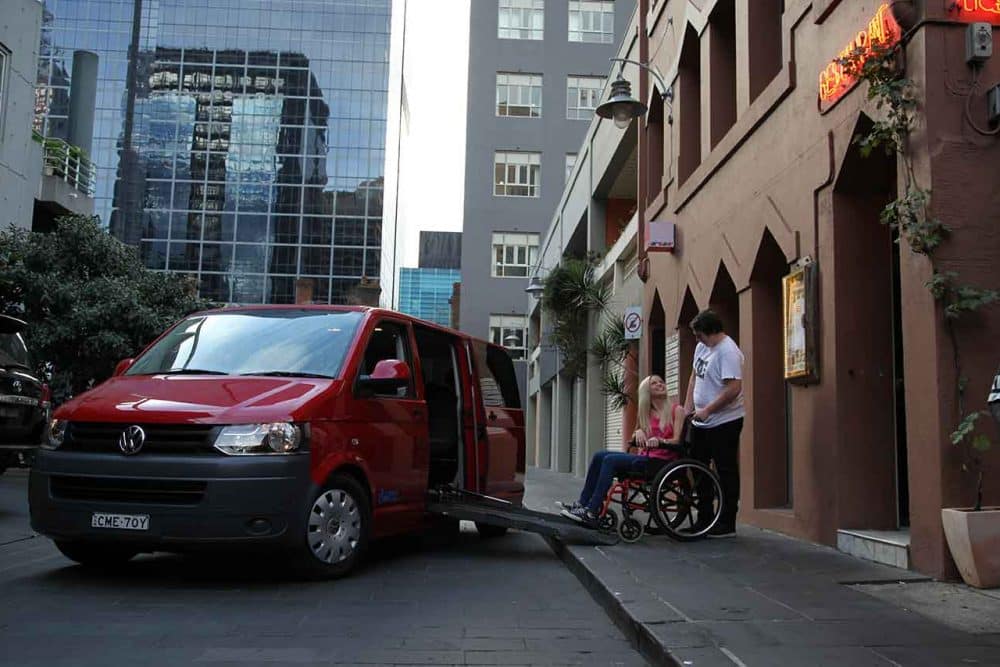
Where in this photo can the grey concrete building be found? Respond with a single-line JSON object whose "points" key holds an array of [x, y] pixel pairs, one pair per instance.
{"points": [[20, 157], [537, 69], [40, 179]]}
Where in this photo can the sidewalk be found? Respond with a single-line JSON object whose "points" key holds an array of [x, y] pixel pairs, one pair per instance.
{"points": [[766, 599]]}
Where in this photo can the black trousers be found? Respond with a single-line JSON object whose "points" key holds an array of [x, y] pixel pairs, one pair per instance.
{"points": [[721, 445]]}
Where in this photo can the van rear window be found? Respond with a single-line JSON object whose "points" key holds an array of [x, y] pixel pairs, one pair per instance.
{"points": [[280, 342], [497, 380]]}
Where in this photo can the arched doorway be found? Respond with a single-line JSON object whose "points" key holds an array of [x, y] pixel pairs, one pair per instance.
{"points": [[726, 302], [685, 342], [770, 396], [657, 336], [872, 478]]}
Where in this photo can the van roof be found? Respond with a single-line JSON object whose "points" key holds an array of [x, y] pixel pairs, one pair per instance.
{"points": [[363, 309]]}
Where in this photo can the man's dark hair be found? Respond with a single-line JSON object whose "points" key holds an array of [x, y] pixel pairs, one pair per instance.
{"points": [[707, 322]]}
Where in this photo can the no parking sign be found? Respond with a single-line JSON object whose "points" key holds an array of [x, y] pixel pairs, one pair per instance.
{"points": [[633, 323]]}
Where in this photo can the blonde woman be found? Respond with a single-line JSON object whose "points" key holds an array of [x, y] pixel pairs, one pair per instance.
{"points": [[661, 419]]}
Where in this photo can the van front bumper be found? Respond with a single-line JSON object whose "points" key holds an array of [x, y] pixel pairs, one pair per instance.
{"points": [[190, 500]]}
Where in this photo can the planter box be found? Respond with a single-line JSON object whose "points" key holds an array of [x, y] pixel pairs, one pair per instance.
{"points": [[974, 540]]}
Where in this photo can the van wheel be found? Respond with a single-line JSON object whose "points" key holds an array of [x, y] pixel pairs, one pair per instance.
{"points": [[337, 529], [90, 554], [489, 531]]}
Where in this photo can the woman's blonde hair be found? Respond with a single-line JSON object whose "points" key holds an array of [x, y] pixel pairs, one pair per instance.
{"points": [[646, 405]]}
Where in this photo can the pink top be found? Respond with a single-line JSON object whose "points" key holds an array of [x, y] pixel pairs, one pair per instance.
{"points": [[661, 432]]}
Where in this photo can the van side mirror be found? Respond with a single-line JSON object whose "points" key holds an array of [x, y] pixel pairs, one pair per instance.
{"points": [[387, 377], [123, 366]]}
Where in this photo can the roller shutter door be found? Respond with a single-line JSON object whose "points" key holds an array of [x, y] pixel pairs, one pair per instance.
{"points": [[612, 425]]}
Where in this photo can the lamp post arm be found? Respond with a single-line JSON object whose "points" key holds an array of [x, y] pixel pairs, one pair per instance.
{"points": [[652, 70]]}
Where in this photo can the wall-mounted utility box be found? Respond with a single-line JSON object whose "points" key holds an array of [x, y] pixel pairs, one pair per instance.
{"points": [[978, 42], [660, 236]]}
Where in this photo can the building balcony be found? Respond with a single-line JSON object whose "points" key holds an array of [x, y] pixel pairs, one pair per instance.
{"points": [[67, 182]]}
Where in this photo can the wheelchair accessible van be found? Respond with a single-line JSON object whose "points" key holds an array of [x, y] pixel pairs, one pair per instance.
{"points": [[682, 497]]}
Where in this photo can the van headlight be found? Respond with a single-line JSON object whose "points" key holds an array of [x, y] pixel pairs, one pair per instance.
{"points": [[55, 434], [245, 439]]}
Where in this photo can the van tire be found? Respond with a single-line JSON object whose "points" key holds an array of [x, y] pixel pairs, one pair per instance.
{"points": [[489, 531], [96, 555], [336, 529]]}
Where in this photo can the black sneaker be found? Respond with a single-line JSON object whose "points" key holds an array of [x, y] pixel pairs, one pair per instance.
{"points": [[569, 506], [576, 514], [719, 531]]}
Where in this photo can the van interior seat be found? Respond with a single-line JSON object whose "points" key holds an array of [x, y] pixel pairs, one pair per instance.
{"points": [[442, 409]]}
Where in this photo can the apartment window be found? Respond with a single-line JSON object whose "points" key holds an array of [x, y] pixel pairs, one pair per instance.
{"points": [[519, 95], [583, 94], [592, 22], [511, 332], [516, 174], [521, 19], [513, 254], [570, 163]]}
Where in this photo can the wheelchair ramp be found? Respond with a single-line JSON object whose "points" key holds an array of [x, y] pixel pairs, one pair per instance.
{"points": [[470, 506]]}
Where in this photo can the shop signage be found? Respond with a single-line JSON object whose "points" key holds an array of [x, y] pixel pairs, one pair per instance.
{"points": [[799, 320], [633, 323], [970, 11], [834, 80]]}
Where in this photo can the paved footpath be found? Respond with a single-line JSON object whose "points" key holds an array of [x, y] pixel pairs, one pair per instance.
{"points": [[504, 601], [765, 599]]}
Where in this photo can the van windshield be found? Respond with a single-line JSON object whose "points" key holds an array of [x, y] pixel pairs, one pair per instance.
{"points": [[294, 343], [13, 352]]}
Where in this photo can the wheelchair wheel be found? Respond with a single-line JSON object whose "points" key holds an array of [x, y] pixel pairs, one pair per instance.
{"points": [[687, 499], [609, 521], [631, 530]]}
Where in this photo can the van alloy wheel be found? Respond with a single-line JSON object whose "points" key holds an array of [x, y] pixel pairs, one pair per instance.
{"points": [[334, 526], [336, 530]]}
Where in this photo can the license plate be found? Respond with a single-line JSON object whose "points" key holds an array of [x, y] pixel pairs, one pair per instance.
{"points": [[9, 413], [120, 521]]}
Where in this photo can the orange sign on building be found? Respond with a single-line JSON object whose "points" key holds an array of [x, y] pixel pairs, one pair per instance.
{"points": [[835, 80], [977, 10]]}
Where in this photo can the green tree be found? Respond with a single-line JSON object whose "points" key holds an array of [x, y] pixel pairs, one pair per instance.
{"points": [[88, 299]]}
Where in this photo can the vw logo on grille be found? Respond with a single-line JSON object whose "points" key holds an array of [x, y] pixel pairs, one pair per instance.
{"points": [[131, 440], [17, 386]]}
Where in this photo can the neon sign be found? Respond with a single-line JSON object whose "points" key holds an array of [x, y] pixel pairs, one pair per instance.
{"points": [[883, 31], [977, 10]]}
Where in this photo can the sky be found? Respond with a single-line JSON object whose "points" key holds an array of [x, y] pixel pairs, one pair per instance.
{"points": [[432, 168]]}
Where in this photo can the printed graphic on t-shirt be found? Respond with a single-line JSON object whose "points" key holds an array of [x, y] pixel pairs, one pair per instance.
{"points": [[699, 367]]}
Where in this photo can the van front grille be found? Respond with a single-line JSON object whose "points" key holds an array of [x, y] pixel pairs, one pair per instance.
{"points": [[160, 438], [127, 490]]}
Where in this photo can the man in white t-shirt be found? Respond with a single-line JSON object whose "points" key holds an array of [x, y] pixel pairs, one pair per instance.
{"points": [[715, 397]]}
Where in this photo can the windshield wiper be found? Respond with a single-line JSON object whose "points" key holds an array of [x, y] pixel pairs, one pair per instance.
{"points": [[189, 371], [291, 374]]}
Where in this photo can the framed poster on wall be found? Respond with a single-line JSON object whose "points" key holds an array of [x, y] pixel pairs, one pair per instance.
{"points": [[799, 323]]}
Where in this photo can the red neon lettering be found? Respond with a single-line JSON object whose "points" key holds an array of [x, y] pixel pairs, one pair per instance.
{"points": [[883, 30], [977, 10]]}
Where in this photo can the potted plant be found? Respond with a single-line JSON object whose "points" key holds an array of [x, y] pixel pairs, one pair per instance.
{"points": [[973, 534]]}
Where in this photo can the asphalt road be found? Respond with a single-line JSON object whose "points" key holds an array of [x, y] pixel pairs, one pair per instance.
{"points": [[506, 601]]}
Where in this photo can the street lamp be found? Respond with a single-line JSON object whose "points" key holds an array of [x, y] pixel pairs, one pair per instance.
{"points": [[621, 107], [535, 287]]}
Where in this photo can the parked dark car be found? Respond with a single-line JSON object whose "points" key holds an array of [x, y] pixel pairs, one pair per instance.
{"points": [[24, 397]]}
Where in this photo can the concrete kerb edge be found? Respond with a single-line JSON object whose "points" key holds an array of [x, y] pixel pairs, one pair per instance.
{"points": [[635, 631]]}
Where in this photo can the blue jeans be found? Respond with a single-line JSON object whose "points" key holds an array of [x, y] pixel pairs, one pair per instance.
{"points": [[601, 474]]}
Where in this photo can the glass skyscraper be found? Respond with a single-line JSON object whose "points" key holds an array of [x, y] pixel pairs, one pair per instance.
{"points": [[426, 293], [240, 142]]}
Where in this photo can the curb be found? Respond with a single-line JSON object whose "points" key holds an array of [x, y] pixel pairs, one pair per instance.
{"points": [[636, 632]]}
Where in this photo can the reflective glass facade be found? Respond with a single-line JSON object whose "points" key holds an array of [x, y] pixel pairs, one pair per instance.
{"points": [[244, 144], [425, 293]]}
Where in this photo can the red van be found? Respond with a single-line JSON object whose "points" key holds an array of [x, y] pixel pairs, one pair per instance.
{"points": [[310, 428]]}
